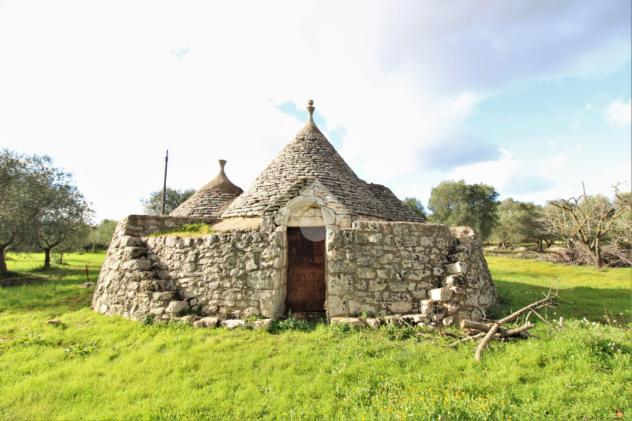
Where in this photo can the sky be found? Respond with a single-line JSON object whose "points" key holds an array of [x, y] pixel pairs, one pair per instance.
{"points": [[533, 98]]}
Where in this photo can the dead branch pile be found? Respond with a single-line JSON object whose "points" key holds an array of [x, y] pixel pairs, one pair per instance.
{"points": [[486, 332]]}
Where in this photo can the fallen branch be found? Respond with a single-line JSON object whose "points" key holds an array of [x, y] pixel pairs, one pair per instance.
{"points": [[496, 330], [488, 337]]}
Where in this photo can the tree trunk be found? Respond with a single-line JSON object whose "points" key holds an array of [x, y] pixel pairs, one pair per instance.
{"points": [[540, 246], [47, 258], [3, 262], [597, 254], [61, 257]]}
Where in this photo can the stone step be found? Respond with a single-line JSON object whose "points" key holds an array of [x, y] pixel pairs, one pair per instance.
{"points": [[452, 281], [440, 294], [456, 268]]}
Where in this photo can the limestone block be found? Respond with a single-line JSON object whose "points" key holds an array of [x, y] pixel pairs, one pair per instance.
{"points": [[176, 307], [376, 285], [163, 296], [264, 324], [398, 286], [427, 308], [270, 304], [440, 294], [457, 267], [137, 264], [206, 322], [437, 271], [373, 323], [454, 281], [336, 306], [401, 307], [366, 273], [250, 311], [129, 241], [352, 321], [340, 284], [157, 310], [233, 323]]}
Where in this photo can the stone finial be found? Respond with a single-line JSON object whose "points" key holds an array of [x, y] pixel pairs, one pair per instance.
{"points": [[222, 164], [310, 109]]}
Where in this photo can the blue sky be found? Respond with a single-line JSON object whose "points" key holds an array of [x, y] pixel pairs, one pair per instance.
{"points": [[531, 97]]}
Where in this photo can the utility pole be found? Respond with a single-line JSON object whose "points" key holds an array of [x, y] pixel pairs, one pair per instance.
{"points": [[164, 184]]}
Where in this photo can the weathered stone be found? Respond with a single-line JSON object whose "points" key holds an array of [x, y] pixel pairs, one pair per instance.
{"points": [[454, 281], [176, 307], [233, 323], [264, 324], [457, 267], [448, 321], [427, 308], [163, 296], [206, 322], [401, 307], [352, 321], [373, 323], [441, 294], [374, 267]]}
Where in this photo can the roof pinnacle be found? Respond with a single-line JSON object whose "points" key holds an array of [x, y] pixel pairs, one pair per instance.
{"points": [[310, 109]]}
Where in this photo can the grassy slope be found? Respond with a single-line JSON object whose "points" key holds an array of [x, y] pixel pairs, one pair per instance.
{"points": [[107, 367]]}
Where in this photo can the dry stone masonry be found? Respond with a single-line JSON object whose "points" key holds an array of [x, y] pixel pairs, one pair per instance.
{"points": [[379, 261]]}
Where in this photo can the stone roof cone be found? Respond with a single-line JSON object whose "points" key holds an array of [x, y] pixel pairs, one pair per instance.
{"points": [[212, 199], [310, 156]]}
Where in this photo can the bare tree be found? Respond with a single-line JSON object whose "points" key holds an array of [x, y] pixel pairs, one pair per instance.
{"points": [[588, 221]]}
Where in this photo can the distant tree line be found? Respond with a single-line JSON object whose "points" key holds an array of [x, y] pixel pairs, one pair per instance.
{"points": [[591, 229]]}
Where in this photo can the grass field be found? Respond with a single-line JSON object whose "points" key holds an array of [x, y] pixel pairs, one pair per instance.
{"points": [[96, 367]]}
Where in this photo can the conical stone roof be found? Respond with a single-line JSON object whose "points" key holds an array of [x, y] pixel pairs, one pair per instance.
{"points": [[212, 199], [311, 156]]}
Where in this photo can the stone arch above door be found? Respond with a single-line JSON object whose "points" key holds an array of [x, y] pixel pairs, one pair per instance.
{"points": [[305, 211]]}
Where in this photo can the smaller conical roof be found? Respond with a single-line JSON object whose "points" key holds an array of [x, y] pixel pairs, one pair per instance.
{"points": [[211, 200]]}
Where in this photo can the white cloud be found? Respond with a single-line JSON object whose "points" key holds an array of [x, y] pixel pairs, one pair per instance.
{"points": [[106, 87], [619, 113]]}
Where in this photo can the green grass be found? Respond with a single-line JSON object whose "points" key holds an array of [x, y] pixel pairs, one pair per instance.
{"points": [[97, 367], [187, 230], [585, 291]]}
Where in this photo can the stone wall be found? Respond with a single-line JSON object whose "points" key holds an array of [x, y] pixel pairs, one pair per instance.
{"points": [[232, 274], [384, 267], [374, 268], [380, 268]]}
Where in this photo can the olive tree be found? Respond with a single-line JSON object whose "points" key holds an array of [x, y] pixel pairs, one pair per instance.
{"points": [[173, 199], [458, 203], [63, 216], [521, 222], [416, 206], [22, 178]]}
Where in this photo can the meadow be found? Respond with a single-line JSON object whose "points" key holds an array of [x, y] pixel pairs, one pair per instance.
{"points": [[94, 367]]}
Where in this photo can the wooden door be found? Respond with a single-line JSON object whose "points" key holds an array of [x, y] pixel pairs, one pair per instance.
{"points": [[306, 270]]}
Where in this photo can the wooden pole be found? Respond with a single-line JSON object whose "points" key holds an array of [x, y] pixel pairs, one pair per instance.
{"points": [[164, 184]]}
